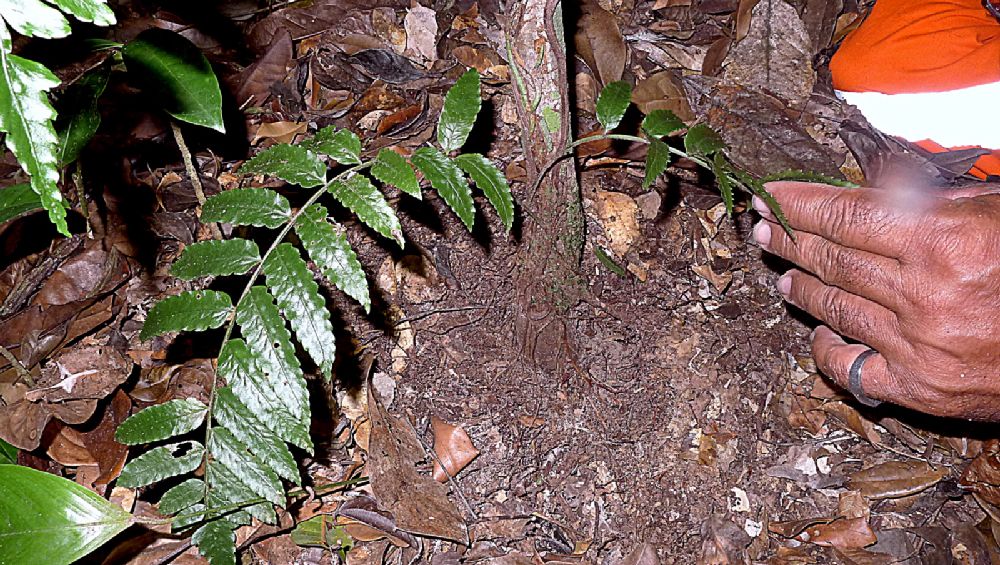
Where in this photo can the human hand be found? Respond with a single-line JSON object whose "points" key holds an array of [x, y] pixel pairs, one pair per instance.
{"points": [[915, 276]]}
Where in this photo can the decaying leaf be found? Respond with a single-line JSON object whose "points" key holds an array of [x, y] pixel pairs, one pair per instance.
{"points": [[982, 477], [894, 479], [419, 504], [645, 554], [599, 42], [453, 448], [844, 533], [723, 543], [619, 215]]}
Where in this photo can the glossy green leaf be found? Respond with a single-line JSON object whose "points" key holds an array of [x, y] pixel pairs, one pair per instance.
{"points": [[34, 18], [182, 496], [161, 463], [189, 517], [342, 145], [461, 106], [612, 103], [231, 452], [322, 531], [52, 520], [216, 542], [94, 11], [291, 163], [239, 368], [657, 159], [270, 343], [722, 173], [247, 207], [449, 182], [17, 200], [26, 118], [230, 412], [8, 453], [659, 123], [291, 283], [360, 196], [756, 186], [216, 258], [703, 141], [608, 262], [228, 491], [172, 70], [491, 181], [329, 249], [162, 421], [391, 168], [194, 310], [78, 117]]}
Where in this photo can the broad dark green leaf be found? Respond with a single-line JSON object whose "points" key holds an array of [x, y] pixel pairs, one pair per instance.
{"points": [[189, 517], [322, 531], [290, 163], [181, 497], [291, 283], [461, 106], [702, 141], [162, 421], [657, 159], [360, 196], [249, 383], [391, 168], [329, 249], [17, 200], [270, 343], [612, 104], [161, 463], [94, 11], [172, 71], [216, 542], [491, 181], [342, 145], [659, 123], [722, 173], [78, 118], [33, 18], [26, 117], [448, 180], [194, 310], [8, 453], [228, 490], [247, 207], [247, 427], [245, 466], [52, 520], [216, 258]]}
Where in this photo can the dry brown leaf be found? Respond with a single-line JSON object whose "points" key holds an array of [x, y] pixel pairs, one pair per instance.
{"points": [[645, 554], [662, 91], [253, 85], [421, 29], [744, 15], [895, 479], [982, 477], [723, 543], [599, 42], [792, 528], [68, 449], [619, 215], [854, 421], [419, 504], [852, 504], [453, 448], [281, 132], [845, 533]]}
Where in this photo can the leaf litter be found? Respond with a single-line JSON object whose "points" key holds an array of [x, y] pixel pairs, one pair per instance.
{"points": [[704, 387]]}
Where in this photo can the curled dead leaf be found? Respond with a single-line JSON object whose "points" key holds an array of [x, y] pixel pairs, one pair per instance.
{"points": [[453, 448], [599, 42], [894, 479], [844, 533]]}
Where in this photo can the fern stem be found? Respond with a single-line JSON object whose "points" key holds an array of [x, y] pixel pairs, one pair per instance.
{"points": [[253, 279]]}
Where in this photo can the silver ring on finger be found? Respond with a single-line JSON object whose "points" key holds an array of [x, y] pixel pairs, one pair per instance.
{"points": [[854, 379]]}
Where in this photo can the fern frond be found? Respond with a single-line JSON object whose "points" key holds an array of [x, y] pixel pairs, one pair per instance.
{"points": [[657, 159], [461, 106], [491, 181], [447, 179], [360, 196], [292, 284], [193, 310], [249, 469], [291, 163], [807, 176], [392, 169], [226, 490], [235, 416], [247, 207], [162, 421], [329, 249], [161, 463], [341, 145], [182, 496], [216, 542]]}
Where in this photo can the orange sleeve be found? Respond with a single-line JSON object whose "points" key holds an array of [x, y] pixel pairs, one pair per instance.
{"points": [[919, 46]]}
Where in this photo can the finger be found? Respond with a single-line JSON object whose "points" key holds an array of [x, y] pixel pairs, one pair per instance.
{"points": [[862, 218], [834, 358], [871, 276], [848, 314]]}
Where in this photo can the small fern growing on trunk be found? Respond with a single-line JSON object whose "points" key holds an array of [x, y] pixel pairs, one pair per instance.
{"points": [[264, 407]]}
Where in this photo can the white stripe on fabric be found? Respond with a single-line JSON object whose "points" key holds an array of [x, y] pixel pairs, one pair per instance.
{"points": [[966, 116]]}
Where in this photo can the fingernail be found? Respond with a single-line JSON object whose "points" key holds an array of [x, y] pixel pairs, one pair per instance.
{"points": [[762, 234], [761, 207], [785, 285]]}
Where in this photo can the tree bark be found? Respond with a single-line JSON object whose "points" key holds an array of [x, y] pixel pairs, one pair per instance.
{"points": [[548, 279]]}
